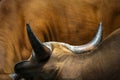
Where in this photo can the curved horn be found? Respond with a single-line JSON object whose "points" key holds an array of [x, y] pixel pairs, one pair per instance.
{"points": [[92, 44], [83, 48], [41, 52]]}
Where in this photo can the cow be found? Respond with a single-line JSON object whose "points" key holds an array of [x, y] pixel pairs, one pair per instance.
{"points": [[62, 20], [61, 61]]}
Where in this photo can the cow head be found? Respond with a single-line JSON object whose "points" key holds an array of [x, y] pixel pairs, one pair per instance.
{"points": [[47, 60]]}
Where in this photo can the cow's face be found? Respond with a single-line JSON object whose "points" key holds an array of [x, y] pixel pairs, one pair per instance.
{"points": [[46, 60], [34, 70], [47, 69]]}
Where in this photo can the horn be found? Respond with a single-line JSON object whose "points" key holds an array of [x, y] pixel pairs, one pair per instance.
{"points": [[86, 47], [91, 45], [41, 52]]}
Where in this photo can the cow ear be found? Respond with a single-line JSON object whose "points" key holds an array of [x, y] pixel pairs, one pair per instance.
{"points": [[23, 70], [22, 66], [41, 52]]}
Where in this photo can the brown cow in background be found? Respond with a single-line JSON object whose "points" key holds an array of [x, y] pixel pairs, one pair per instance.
{"points": [[73, 21]]}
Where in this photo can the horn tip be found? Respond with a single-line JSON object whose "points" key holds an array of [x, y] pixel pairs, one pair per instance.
{"points": [[100, 26], [28, 28], [100, 23]]}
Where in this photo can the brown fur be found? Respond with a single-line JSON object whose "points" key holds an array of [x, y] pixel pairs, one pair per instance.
{"points": [[73, 21], [101, 64]]}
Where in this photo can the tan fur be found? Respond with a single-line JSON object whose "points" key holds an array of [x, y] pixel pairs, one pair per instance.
{"points": [[100, 64]]}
